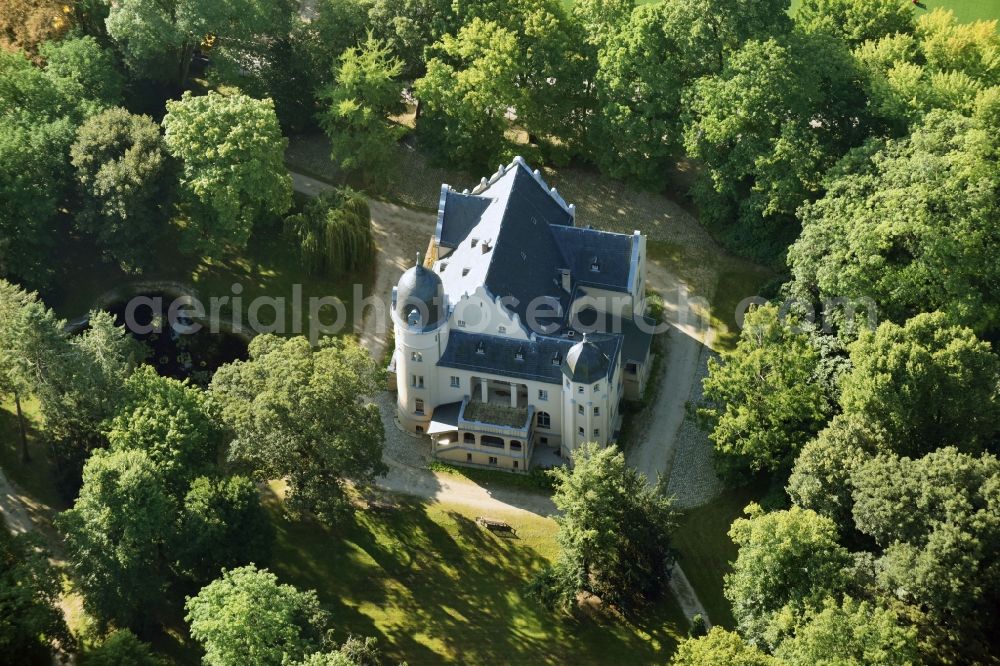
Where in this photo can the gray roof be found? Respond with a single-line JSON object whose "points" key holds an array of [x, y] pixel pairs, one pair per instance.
{"points": [[586, 363], [611, 252], [540, 359], [420, 294], [457, 215]]}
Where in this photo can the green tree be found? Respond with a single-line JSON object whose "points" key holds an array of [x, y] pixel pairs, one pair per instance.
{"points": [[115, 537], [35, 133], [765, 400], [937, 519], [29, 596], [465, 95], [158, 39], [767, 127], [30, 339], [786, 559], [125, 176], [909, 224], [364, 94], [172, 422], [222, 525], [721, 647], [924, 384], [122, 647], [84, 71], [319, 40], [857, 21], [614, 533], [233, 169], [821, 478], [334, 233], [409, 27], [247, 616], [645, 62], [300, 413], [850, 633]]}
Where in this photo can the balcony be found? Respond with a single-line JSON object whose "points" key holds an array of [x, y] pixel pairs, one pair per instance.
{"points": [[497, 418]]}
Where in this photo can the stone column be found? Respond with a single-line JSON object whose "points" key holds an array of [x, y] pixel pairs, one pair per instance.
{"points": [[484, 385], [513, 394]]}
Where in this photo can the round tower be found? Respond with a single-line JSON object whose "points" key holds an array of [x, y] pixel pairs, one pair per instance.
{"points": [[420, 322], [585, 396]]}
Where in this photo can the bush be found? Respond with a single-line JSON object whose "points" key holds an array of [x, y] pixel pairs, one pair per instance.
{"points": [[334, 233]]}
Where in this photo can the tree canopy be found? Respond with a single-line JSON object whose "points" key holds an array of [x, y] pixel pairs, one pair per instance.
{"points": [[300, 413]]}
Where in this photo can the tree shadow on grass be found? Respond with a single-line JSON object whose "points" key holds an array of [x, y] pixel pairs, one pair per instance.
{"points": [[433, 586]]}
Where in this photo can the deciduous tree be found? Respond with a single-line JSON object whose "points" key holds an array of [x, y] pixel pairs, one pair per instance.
{"points": [[300, 413], [764, 398], [233, 170]]}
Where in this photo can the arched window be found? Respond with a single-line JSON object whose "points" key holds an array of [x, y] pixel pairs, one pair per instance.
{"points": [[544, 420], [469, 438]]}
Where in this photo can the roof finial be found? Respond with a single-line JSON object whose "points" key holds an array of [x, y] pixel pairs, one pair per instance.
{"points": [[418, 258]]}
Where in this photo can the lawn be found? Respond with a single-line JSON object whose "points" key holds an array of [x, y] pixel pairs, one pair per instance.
{"points": [[965, 11], [434, 587], [705, 550]]}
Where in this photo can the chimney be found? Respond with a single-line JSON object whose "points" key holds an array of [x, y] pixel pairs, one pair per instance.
{"points": [[565, 274]]}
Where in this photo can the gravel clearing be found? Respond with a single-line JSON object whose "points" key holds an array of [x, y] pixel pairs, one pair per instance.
{"points": [[693, 481]]}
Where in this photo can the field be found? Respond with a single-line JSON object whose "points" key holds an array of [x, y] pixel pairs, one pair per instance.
{"points": [[965, 11]]}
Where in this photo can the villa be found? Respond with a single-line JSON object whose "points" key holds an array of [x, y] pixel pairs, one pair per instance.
{"points": [[519, 334]]}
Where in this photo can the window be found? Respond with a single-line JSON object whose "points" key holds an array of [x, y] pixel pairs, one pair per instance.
{"points": [[443, 265], [519, 354], [579, 389], [515, 445], [597, 411], [469, 438], [544, 420], [418, 406], [416, 356], [455, 382], [475, 241], [595, 265], [465, 271], [493, 460], [597, 387], [468, 457], [461, 323], [543, 440], [557, 360], [502, 330], [631, 368], [580, 431], [515, 464], [597, 433], [419, 430], [543, 394], [481, 348], [579, 410]]}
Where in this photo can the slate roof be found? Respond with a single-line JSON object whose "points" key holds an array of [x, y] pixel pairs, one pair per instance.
{"points": [[497, 355], [612, 252], [458, 214]]}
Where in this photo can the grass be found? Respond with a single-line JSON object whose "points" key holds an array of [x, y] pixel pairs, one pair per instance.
{"points": [[434, 588], [965, 11], [705, 551], [537, 480]]}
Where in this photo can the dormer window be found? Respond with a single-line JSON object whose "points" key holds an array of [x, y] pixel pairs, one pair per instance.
{"points": [[465, 271], [519, 354], [413, 318], [475, 242], [571, 334], [556, 359], [502, 330], [442, 266], [595, 265], [481, 348]]}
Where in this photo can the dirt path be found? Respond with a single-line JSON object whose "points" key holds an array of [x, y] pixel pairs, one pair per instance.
{"points": [[12, 509]]}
